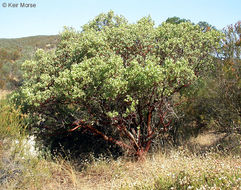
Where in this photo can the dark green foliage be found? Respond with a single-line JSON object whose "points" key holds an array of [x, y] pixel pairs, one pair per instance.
{"points": [[176, 20], [205, 26]]}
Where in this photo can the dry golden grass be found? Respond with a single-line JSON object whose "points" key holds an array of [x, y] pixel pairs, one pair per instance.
{"points": [[207, 139], [143, 175], [125, 174], [4, 93], [212, 140], [176, 166]]}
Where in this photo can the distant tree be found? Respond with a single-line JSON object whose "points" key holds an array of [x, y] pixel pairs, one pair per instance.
{"points": [[116, 81], [176, 20], [232, 42], [105, 20], [205, 26]]}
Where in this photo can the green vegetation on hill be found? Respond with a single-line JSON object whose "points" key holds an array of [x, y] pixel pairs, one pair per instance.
{"points": [[13, 52], [28, 45], [31, 41]]}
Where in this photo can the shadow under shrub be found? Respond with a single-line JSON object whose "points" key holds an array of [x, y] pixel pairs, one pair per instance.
{"points": [[78, 146]]}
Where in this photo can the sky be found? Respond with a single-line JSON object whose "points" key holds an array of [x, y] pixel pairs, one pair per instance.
{"points": [[50, 16]]}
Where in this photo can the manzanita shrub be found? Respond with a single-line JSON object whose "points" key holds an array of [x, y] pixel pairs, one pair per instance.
{"points": [[116, 80]]}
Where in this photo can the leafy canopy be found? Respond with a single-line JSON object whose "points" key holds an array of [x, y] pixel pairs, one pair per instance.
{"points": [[118, 77]]}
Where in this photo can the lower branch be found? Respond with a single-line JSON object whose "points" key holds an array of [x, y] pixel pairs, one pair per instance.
{"points": [[99, 133]]}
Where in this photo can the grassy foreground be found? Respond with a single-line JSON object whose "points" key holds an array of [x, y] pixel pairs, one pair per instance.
{"points": [[175, 169]]}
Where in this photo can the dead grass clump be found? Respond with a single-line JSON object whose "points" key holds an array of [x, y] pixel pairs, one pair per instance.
{"points": [[4, 93]]}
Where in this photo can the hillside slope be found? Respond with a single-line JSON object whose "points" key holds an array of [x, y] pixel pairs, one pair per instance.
{"points": [[28, 45], [13, 52]]}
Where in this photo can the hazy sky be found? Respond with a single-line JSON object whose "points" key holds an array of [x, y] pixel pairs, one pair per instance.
{"points": [[50, 16]]}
